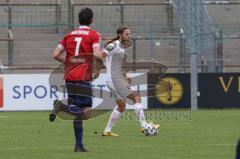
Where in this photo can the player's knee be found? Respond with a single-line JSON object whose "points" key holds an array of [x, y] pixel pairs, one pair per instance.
{"points": [[137, 98], [121, 106], [84, 115], [87, 115]]}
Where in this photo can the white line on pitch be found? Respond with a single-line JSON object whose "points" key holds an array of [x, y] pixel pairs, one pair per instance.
{"points": [[106, 146], [3, 116]]}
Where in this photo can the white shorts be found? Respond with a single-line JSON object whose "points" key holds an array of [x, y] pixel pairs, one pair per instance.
{"points": [[120, 89]]}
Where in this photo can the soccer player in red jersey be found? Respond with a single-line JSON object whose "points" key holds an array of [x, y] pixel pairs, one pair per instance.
{"points": [[77, 51]]}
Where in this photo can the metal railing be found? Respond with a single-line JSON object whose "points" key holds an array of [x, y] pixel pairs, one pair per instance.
{"points": [[151, 67], [9, 40], [57, 10], [122, 6], [180, 43]]}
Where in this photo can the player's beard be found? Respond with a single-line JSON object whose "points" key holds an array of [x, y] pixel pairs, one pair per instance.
{"points": [[126, 43]]}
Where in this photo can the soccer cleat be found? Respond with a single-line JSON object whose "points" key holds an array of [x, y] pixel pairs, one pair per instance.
{"points": [[52, 117], [80, 149], [109, 134], [157, 126], [56, 107]]}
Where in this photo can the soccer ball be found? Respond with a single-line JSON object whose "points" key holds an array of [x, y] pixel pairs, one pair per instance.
{"points": [[150, 130]]}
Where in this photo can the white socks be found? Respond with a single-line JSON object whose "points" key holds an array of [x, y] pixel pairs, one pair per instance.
{"points": [[140, 114], [112, 120], [116, 114]]}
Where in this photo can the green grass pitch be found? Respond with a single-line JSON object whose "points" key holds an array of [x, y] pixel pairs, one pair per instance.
{"points": [[207, 134]]}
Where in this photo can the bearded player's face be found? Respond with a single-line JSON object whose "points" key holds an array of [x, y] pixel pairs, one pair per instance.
{"points": [[125, 36]]}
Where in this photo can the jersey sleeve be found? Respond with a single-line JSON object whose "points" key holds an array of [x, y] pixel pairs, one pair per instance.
{"points": [[62, 44], [96, 40], [110, 48]]}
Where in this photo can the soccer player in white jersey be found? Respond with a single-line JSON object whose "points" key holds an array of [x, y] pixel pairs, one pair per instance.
{"points": [[118, 82]]}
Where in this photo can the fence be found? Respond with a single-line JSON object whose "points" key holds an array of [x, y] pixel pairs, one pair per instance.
{"points": [[9, 41], [16, 15], [154, 26], [145, 19]]}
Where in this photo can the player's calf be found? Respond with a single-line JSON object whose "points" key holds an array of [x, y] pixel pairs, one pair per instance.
{"points": [[56, 108], [75, 112]]}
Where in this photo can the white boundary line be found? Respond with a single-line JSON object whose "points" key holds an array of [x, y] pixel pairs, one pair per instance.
{"points": [[4, 116], [106, 146]]}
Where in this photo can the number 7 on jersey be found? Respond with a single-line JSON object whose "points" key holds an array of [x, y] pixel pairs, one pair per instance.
{"points": [[78, 40]]}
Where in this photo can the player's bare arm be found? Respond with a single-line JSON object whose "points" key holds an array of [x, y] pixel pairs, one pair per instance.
{"points": [[97, 52], [128, 79], [98, 55], [58, 55]]}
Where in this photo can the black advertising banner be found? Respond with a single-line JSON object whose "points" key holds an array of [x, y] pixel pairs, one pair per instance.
{"points": [[169, 91], [219, 90], [216, 90]]}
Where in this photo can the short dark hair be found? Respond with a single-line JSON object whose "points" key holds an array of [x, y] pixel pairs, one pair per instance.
{"points": [[85, 16]]}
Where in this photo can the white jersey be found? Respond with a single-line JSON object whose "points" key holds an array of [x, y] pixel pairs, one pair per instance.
{"points": [[115, 59], [116, 80]]}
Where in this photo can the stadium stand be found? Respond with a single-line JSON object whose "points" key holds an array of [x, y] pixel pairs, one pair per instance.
{"points": [[36, 29]]}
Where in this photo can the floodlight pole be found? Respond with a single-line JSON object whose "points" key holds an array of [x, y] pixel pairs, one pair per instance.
{"points": [[194, 81], [193, 57]]}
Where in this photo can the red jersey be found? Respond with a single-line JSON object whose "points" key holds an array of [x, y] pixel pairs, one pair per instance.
{"points": [[78, 46]]}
